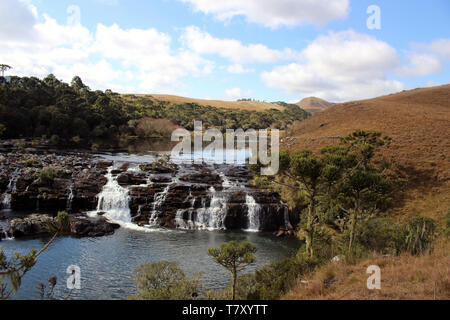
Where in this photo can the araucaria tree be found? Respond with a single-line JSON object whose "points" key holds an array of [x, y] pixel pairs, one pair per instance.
{"points": [[313, 176], [364, 190], [234, 257], [340, 179]]}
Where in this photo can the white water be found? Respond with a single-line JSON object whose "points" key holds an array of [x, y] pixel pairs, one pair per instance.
{"points": [[6, 197], [160, 199], [287, 222], [6, 237], [212, 217], [254, 214], [114, 201], [70, 199]]}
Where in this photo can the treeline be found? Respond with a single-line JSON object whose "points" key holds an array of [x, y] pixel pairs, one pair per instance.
{"points": [[74, 114]]}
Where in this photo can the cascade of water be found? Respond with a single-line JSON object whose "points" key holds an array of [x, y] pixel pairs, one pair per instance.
{"points": [[180, 221], [70, 199], [254, 214], [160, 199], [114, 201], [6, 197], [212, 217], [287, 221], [4, 226]]}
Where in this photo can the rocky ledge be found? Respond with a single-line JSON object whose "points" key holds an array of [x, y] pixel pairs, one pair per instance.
{"points": [[36, 226], [162, 194]]}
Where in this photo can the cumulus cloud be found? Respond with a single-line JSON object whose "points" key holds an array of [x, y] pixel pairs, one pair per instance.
{"points": [[237, 93], [420, 65], [339, 66], [203, 43], [275, 13], [238, 69], [108, 58]]}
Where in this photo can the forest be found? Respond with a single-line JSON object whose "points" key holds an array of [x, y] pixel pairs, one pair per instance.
{"points": [[72, 114]]}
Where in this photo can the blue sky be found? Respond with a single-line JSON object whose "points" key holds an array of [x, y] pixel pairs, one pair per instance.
{"points": [[268, 50]]}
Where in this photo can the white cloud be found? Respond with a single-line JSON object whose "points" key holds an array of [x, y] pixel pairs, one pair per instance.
{"points": [[431, 83], [441, 47], [203, 43], [420, 65], [237, 93], [275, 13], [339, 66], [110, 57], [238, 69], [17, 20]]}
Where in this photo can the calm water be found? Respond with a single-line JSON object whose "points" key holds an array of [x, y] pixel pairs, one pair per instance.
{"points": [[107, 263]]}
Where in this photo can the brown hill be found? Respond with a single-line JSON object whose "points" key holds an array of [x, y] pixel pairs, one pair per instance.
{"points": [[314, 105], [419, 123], [243, 105]]}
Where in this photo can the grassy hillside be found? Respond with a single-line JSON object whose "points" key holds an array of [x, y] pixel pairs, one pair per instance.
{"points": [[240, 105], [403, 278], [314, 105], [419, 123]]}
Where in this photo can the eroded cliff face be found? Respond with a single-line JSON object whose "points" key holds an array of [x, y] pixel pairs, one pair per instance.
{"points": [[184, 196]]}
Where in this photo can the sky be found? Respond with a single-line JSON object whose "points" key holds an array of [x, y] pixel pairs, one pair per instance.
{"points": [[268, 50]]}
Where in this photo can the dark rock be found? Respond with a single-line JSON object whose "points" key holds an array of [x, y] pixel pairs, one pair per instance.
{"points": [[92, 228]]}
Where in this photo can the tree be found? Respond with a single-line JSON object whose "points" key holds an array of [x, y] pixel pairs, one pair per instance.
{"points": [[234, 257], [3, 68], [313, 177], [363, 190], [164, 281]]}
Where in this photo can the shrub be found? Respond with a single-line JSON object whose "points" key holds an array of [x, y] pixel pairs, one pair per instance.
{"points": [[61, 225], [164, 281], [419, 234], [48, 175], [274, 280], [149, 127]]}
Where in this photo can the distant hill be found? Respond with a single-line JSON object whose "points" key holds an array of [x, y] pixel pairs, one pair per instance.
{"points": [[419, 123], [242, 105], [314, 105]]}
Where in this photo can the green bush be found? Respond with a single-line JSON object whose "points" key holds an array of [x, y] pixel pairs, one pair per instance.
{"points": [[164, 281], [48, 175], [419, 233], [275, 280]]}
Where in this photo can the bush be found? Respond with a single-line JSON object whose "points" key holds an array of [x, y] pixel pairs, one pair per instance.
{"points": [[419, 233], [164, 281], [246, 288], [48, 175], [276, 279], [61, 225], [159, 128]]}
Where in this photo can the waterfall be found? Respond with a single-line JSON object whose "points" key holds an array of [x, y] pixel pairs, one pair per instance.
{"points": [[287, 220], [70, 199], [186, 224], [6, 197], [4, 235], [114, 201], [254, 214], [212, 217], [160, 199]]}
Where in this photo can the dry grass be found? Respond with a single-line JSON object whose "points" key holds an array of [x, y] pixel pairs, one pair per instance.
{"points": [[402, 278], [241, 105], [419, 123], [314, 105]]}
